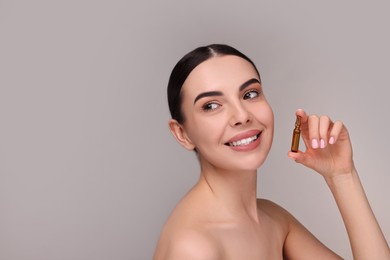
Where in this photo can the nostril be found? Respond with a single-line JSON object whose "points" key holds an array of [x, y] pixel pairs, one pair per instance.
{"points": [[242, 122], [240, 116]]}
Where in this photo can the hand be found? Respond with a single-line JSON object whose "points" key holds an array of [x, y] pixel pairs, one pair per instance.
{"points": [[328, 146]]}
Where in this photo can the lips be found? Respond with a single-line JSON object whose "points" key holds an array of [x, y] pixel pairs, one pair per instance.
{"points": [[244, 139]]}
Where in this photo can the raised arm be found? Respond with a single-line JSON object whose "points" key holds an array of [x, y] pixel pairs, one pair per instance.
{"points": [[329, 152]]}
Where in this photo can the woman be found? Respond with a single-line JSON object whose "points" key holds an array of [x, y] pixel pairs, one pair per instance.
{"points": [[219, 110]]}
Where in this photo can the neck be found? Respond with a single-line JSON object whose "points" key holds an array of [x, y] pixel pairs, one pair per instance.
{"points": [[236, 191]]}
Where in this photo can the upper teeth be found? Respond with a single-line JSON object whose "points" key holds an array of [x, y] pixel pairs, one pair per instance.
{"points": [[243, 141]]}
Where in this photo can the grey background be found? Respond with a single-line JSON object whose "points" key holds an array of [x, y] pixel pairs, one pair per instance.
{"points": [[88, 169]]}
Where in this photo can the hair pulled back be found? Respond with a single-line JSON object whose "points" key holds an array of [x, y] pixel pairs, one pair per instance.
{"points": [[184, 67]]}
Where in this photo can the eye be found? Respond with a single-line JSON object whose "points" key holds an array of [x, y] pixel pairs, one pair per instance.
{"points": [[251, 94], [210, 106]]}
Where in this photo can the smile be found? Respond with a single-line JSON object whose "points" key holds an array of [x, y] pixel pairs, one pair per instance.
{"points": [[244, 141]]}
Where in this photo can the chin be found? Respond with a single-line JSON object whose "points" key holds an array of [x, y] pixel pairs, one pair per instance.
{"points": [[249, 164], [239, 161]]}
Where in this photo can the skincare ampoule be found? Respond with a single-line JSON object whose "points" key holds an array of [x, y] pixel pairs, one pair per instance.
{"points": [[296, 134]]}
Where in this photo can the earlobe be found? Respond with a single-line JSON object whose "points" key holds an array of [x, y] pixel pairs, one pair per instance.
{"points": [[180, 134]]}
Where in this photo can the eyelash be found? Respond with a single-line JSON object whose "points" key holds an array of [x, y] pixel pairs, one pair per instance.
{"points": [[251, 91], [207, 107]]}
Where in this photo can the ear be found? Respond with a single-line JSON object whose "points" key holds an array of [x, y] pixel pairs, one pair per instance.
{"points": [[180, 134]]}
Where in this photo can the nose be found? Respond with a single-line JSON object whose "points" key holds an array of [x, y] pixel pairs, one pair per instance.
{"points": [[239, 115]]}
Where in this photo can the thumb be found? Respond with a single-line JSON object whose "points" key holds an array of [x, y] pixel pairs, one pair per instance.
{"points": [[299, 157]]}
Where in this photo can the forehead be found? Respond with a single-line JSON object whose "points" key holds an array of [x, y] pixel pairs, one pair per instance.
{"points": [[219, 73]]}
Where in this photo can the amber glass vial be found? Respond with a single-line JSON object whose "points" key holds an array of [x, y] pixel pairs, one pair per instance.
{"points": [[296, 135]]}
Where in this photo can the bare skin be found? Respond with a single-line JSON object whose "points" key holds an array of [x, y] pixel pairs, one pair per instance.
{"points": [[198, 230], [221, 218]]}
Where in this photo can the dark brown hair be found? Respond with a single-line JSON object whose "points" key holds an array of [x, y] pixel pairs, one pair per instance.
{"points": [[184, 67]]}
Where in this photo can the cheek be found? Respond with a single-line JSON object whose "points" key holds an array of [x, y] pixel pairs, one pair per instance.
{"points": [[265, 114], [271, 115], [207, 131]]}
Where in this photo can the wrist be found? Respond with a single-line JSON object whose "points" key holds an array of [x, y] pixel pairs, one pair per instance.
{"points": [[342, 179]]}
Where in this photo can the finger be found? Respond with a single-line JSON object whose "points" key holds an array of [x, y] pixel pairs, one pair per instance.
{"points": [[313, 124], [294, 155], [300, 157], [323, 130], [304, 127], [300, 112], [334, 133]]}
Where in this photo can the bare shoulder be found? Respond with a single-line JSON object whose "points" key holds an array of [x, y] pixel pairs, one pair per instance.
{"points": [[299, 243], [186, 236], [274, 210], [188, 243]]}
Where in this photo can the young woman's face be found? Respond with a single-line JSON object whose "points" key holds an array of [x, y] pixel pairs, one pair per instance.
{"points": [[227, 117]]}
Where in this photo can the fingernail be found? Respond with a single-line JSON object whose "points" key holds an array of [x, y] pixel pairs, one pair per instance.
{"points": [[314, 143], [331, 140], [322, 143]]}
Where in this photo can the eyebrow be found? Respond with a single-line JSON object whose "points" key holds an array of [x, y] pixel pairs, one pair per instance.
{"points": [[248, 83], [219, 93]]}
